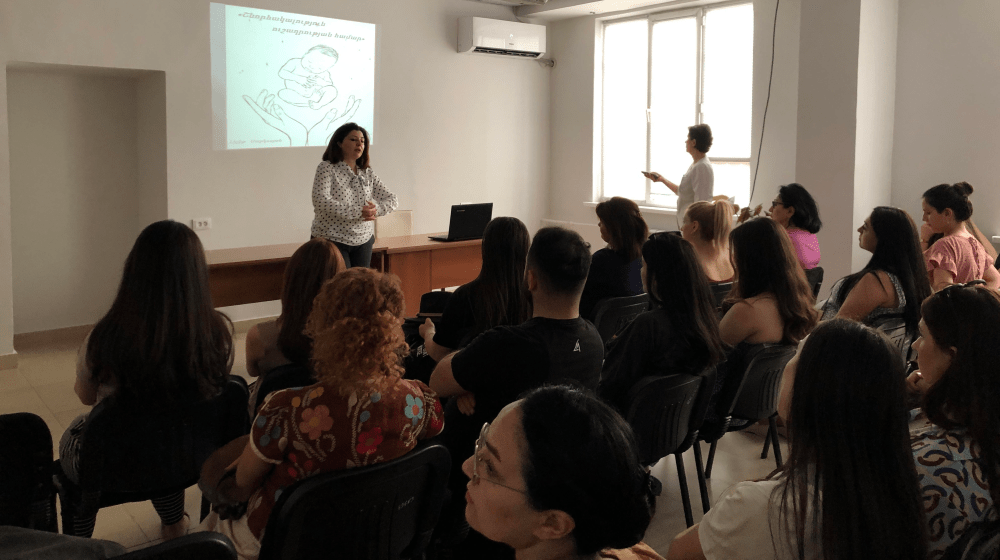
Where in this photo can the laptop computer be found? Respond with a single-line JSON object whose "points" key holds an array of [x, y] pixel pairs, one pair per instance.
{"points": [[468, 221]]}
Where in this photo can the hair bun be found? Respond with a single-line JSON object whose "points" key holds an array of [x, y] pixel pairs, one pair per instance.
{"points": [[964, 188]]}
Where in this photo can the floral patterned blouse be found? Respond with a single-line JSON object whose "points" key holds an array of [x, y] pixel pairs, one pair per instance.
{"points": [[955, 493], [310, 430]]}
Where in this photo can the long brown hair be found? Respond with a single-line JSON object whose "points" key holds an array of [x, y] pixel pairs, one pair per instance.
{"points": [[162, 341], [356, 327], [310, 267], [966, 395], [714, 220], [765, 263], [626, 227], [499, 295]]}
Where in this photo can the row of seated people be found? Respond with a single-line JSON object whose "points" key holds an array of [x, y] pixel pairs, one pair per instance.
{"points": [[554, 283]]}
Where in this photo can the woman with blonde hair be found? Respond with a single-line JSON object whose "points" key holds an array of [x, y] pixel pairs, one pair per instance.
{"points": [[357, 337], [706, 227]]}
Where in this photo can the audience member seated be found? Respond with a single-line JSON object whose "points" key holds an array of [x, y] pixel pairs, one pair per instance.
{"points": [[557, 475], [957, 449], [958, 256], [555, 346], [614, 270], [928, 237], [361, 412], [893, 283], [161, 344], [848, 489], [281, 341], [680, 334], [497, 297], [707, 226], [796, 211]]}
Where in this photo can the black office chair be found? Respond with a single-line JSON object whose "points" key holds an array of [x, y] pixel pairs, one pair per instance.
{"points": [[196, 546], [665, 413], [719, 292], [27, 495], [895, 329], [282, 377], [133, 456], [980, 541], [613, 314], [815, 278], [382, 512]]}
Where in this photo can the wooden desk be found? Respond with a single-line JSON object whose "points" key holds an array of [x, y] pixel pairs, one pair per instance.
{"points": [[255, 274]]}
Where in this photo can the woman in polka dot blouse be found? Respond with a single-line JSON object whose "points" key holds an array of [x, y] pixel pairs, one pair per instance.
{"points": [[348, 196]]}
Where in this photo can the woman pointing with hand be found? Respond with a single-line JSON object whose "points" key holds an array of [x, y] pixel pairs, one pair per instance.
{"points": [[348, 196]]}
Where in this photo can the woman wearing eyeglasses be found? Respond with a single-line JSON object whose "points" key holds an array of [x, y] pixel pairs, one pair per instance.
{"points": [[893, 283], [957, 452], [957, 256], [556, 475], [796, 211]]}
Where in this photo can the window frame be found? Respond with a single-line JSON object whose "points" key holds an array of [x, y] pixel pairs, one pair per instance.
{"points": [[653, 18]]}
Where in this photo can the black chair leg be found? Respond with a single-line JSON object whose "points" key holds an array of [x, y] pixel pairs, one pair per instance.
{"points": [[685, 497], [702, 485], [711, 459], [772, 431], [767, 444]]}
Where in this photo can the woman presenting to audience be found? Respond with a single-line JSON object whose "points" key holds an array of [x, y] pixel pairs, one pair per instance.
{"points": [[348, 196], [699, 181]]}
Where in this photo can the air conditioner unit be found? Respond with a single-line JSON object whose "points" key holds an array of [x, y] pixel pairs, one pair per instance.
{"points": [[498, 37]]}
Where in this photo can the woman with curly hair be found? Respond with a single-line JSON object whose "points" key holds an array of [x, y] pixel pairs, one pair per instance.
{"points": [[361, 411]]}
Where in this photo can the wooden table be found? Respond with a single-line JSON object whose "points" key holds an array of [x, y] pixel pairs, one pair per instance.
{"points": [[255, 274]]}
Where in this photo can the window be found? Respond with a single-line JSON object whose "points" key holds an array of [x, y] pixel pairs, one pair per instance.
{"points": [[663, 73]]}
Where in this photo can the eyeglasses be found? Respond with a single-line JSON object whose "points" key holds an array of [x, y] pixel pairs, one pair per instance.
{"points": [[477, 457], [776, 202]]}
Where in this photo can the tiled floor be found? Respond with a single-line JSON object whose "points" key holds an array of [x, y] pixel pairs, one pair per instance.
{"points": [[43, 384]]}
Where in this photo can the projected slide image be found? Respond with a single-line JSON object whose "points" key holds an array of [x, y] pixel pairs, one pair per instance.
{"points": [[287, 80]]}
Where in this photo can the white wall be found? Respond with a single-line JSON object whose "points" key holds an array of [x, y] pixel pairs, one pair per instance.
{"points": [[572, 44], [947, 109], [450, 128], [875, 113], [74, 202]]}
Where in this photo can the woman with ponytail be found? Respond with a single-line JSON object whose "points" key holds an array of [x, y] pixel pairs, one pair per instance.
{"points": [[356, 329], [957, 256], [614, 270], [706, 227]]}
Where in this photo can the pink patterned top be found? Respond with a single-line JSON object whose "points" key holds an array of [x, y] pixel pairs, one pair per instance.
{"points": [[806, 247], [962, 255]]}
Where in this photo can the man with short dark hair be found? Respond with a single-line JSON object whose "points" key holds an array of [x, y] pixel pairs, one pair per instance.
{"points": [[555, 346]]}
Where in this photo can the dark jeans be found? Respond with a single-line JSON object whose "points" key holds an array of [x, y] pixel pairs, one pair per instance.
{"points": [[357, 255]]}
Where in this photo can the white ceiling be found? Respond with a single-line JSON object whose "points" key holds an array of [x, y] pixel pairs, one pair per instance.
{"points": [[565, 9]]}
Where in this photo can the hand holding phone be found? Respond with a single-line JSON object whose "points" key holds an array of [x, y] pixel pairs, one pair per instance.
{"points": [[651, 175]]}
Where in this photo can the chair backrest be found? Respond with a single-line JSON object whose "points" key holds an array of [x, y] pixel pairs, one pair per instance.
{"points": [[27, 496], [395, 224], [719, 292], [613, 314], [815, 278], [129, 450], [895, 329], [434, 302], [282, 377], [660, 412], [758, 397], [980, 541], [203, 546], [385, 511]]}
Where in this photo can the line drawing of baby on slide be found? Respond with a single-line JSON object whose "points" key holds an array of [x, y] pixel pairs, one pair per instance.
{"points": [[307, 79]]}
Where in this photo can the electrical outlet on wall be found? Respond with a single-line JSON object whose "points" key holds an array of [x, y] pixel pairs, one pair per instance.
{"points": [[199, 224]]}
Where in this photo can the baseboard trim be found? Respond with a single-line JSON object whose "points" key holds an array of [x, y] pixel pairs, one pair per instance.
{"points": [[8, 361], [53, 336]]}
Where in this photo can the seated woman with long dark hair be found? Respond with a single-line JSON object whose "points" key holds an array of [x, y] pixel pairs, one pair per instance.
{"points": [[557, 475], [848, 489], [161, 344], [680, 334], [495, 298], [281, 341], [957, 452], [893, 283], [614, 270], [357, 338]]}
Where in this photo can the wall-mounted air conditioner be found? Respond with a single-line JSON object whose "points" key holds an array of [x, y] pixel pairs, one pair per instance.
{"points": [[497, 37]]}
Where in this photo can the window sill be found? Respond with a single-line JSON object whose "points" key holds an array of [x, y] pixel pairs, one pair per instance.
{"points": [[659, 210]]}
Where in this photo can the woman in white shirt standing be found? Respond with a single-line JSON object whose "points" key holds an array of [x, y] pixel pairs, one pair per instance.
{"points": [[699, 181], [348, 196]]}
